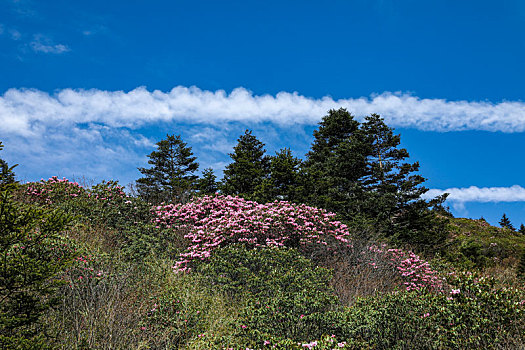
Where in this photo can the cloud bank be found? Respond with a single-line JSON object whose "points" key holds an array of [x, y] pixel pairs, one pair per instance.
{"points": [[514, 193], [29, 111]]}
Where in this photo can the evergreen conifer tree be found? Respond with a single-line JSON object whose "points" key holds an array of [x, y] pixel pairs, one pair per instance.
{"points": [[7, 176], [358, 171], [34, 254], [248, 169], [335, 164], [171, 177], [394, 189], [522, 229], [505, 222], [207, 184], [283, 178]]}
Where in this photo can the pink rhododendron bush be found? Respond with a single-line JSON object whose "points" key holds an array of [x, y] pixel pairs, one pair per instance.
{"points": [[217, 221], [415, 272], [55, 190]]}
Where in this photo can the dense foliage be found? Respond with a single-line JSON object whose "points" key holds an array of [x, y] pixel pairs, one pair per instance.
{"points": [[33, 254], [262, 277], [474, 313]]}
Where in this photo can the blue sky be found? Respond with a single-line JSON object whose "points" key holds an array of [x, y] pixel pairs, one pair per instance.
{"points": [[87, 88]]}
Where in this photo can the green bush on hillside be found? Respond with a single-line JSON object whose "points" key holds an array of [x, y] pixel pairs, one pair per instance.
{"points": [[114, 219], [474, 314], [285, 295]]}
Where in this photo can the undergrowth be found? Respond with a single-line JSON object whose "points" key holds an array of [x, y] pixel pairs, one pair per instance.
{"points": [[294, 278]]}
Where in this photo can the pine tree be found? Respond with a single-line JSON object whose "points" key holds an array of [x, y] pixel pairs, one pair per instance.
{"points": [[283, 178], [34, 255], [359, 171], [7, 176], [171, 177], [505, 222], [207, 184], [522, 229], [248, 169], [394, 189], [335, 164]]}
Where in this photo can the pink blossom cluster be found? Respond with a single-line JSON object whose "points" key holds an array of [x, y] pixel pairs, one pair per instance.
{"points": [[416, 272], [216, 221], [55, 189], [47, 190]]}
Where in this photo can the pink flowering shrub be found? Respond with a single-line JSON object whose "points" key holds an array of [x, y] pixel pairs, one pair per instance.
{"points": [[56, 191], [216, 221], [53, 190], [109, 191], [415, 272], [104, 203]]}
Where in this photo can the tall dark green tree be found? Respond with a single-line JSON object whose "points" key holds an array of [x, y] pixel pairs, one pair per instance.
{"points": [[360, 172], [171, 177], [207, 184], [394, 189], [335, 164], [33, 255], [7, 176], [283, 180], [505, 222], [522, 229], [248, 169]]}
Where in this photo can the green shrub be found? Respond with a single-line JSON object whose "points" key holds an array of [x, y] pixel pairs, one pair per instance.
{"points": [[475, 245], [474, 314], [123, 223], [474, 250], [284, 294]]}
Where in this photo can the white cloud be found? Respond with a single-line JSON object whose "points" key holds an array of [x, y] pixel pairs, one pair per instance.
{"points": [[514, 193], [15, 34], [43, 44], [24, 110]]}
